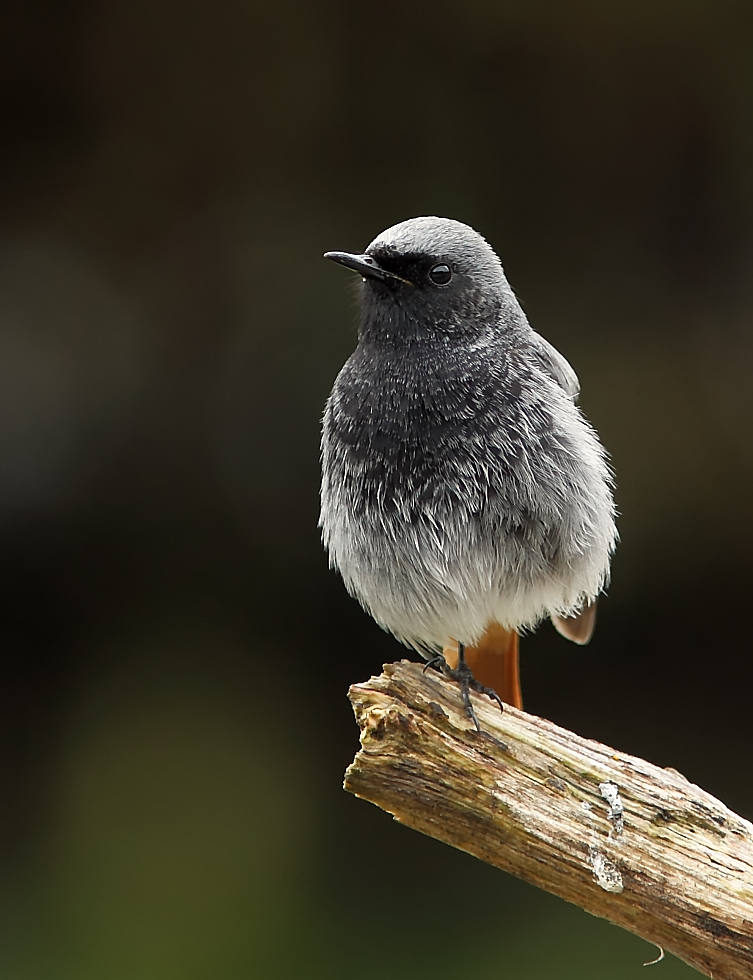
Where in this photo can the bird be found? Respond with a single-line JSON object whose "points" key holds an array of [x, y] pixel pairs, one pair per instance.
{"points": [[465, 497]]}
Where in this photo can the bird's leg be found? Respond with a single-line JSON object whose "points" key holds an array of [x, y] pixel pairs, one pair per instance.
{"points": [[463, 675]]}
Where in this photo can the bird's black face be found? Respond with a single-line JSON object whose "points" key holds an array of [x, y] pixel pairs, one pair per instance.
{"points": [[417, 269], [428, 295], [390, 267], [409, 295]]}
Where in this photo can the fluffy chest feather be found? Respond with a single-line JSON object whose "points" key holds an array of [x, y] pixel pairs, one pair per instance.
{"points": [[455, 430]]}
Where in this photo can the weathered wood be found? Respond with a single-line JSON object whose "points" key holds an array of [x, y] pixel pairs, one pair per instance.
{"points": [[620, 837]]}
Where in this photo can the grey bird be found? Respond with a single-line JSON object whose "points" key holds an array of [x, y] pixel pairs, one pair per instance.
{"points": [[464, 496]]}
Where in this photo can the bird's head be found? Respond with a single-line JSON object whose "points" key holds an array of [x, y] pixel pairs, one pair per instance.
{"points": [[428, 278]]}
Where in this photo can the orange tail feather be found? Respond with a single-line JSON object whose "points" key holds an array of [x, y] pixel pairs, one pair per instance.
{"points": [[494, 662]]}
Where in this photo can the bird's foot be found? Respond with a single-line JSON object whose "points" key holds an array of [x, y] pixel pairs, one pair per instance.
{"points": [[439, 662], [463, 675]]}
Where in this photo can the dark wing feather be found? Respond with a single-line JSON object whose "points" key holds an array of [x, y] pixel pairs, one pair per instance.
{"points": [[580, 627], [556, 366]]}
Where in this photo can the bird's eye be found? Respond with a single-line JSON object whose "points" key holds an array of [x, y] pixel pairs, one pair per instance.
{"points": [[441, 274]]}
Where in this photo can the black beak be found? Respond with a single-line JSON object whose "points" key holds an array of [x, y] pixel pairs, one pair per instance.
{"points": [[366, 266]]}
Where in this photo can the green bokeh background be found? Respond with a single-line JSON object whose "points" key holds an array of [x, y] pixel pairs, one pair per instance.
{"points": [[175, 653]]}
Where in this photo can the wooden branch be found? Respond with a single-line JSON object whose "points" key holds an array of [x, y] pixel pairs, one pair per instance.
{"points": [[620, 837]]}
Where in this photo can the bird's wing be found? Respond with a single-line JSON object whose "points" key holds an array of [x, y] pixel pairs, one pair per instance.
{"points": [[578, 628], [556, 366]]}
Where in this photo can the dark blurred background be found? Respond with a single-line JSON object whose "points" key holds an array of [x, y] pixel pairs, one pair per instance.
{"points": [[175, 652]]}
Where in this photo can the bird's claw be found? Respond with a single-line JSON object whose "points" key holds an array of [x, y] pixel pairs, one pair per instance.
{"points": [[463, 675]]}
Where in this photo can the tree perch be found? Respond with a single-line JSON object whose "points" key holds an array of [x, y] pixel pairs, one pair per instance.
{"points": [[620, 837]]}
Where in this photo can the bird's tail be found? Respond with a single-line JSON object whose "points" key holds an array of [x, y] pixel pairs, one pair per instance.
{"points": [[494, 662]]}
